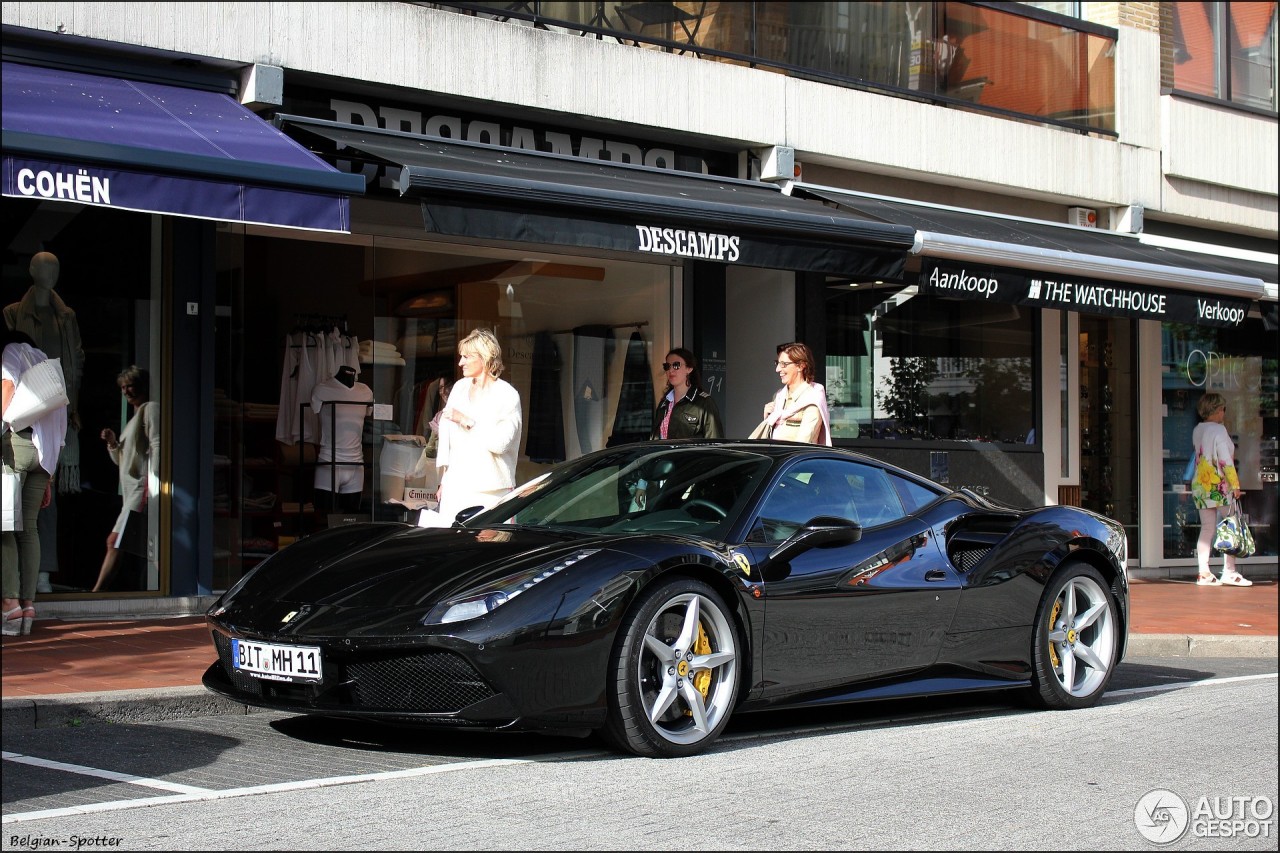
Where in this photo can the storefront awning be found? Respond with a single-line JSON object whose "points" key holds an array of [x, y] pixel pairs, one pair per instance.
{"points": [[494, 193], [1050, 248], [150, 147]]}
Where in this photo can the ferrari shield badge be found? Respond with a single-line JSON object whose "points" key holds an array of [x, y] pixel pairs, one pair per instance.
{"points": [[741, 561]]}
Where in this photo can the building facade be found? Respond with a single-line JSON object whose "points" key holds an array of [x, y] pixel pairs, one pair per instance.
{"points": [[1021, 243]]}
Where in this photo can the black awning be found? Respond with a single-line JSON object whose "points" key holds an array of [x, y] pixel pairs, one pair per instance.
{"points": [[133, 145], [956, 234], [495, 193]]}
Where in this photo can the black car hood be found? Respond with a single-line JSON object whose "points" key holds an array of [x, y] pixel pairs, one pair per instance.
{"points": [[383, 566]]}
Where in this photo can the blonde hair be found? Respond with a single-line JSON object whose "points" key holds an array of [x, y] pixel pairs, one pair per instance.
{"points": [[485, 344], [1210, 403]]}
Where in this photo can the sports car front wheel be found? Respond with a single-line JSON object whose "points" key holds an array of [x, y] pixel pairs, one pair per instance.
{"points": [[1077, 638], [675, 671]]}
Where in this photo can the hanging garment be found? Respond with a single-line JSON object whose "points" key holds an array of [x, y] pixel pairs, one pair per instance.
{"points": [[592, 349], [545, 442], [287, 416], [635, 401]]}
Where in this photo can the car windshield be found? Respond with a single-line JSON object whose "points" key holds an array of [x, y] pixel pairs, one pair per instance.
{"points": [[638, 488]]}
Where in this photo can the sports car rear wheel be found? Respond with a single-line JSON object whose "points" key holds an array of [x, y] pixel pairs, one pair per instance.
{"points": [[675, 671], [1077, 638]]}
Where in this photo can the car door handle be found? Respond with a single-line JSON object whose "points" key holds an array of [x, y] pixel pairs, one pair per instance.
{"points": [[935, 575]]}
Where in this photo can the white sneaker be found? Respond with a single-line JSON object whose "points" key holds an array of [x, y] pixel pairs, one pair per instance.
{"points": [[1235, 579]]}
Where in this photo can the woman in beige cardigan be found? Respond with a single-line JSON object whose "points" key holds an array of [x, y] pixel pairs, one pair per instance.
{"points": [[798, 412], [136, 452]]}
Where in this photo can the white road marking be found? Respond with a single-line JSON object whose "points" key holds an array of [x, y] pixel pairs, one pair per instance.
{"points": [[205, 795], [102, 774], [1210, 682]]}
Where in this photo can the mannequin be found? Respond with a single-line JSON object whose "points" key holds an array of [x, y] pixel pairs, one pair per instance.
{"points": [[338, 487], [43, 315]]}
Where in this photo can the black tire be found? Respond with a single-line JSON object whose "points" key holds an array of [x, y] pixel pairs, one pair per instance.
{"points": [[673, 679], [1077, 639]]}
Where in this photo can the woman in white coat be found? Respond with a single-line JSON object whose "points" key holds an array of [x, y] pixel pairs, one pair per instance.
{"points": [[479, 430]]}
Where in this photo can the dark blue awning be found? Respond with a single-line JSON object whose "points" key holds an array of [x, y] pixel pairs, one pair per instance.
{"points": [[150, 147]]}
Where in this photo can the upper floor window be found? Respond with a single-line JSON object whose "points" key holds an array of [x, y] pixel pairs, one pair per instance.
{"points": [[1226, 50], [1036, 60]]}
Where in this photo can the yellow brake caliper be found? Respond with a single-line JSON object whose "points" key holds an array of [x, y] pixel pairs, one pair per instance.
{"points": [[702, 680], [1053, 620]]}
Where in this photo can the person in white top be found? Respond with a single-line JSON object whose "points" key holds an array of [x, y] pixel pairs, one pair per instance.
{"points": [[479, 430], [136, 451], [1215, 487], [33, 454]]}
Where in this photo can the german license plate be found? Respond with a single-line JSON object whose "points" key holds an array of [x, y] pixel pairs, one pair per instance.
{"points": [[277, 663]]}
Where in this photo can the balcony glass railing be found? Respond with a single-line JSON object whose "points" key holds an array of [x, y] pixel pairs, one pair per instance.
{"points": [[1024, 64]]}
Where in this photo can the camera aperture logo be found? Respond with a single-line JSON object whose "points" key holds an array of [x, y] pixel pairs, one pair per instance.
{"points": [[1163, 817]]}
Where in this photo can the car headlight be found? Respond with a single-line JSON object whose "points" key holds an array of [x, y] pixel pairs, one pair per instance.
{"points": [[491, 596], [1118, 544]]}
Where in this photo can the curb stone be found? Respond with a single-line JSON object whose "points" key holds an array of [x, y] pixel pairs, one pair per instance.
{"points": [[149, 705], [1201, 646]]}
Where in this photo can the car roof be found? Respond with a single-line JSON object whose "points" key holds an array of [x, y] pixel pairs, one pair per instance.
{"points": [[782, 451]]}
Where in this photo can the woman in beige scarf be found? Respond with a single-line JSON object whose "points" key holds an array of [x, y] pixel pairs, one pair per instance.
{"points": [[798, 412]]}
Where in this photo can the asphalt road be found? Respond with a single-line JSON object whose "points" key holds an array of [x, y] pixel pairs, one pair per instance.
{"points": [[945, 774]]}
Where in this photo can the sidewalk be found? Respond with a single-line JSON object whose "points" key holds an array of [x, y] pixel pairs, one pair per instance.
{"points": [[137, 669]]}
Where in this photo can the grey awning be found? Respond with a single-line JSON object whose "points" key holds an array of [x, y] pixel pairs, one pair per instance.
{"points": [[1037, 246], [498, 193]]}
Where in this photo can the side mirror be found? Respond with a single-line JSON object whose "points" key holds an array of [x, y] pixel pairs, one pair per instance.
{"points": [[464, 514], [824, 531]]}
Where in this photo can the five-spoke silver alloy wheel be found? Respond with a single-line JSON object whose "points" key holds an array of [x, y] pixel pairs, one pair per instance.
{"points": [[687, 679], [1083, 636], [1077, 638], [676, 671]]}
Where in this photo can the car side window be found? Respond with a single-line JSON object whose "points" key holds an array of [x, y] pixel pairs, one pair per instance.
{"points": [[913, 494], [874, 499], [826, 487]]}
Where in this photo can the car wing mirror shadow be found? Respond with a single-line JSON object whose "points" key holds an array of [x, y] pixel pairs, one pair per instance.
{"points": [[824, 531]]}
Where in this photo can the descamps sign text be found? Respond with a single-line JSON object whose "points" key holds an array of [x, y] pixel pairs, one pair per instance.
{"points": [[706, 245]]}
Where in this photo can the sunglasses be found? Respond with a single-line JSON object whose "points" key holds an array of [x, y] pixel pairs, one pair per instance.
{"points": [[672, 365]]}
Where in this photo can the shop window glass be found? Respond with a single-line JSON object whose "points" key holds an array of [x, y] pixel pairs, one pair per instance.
{"points": [[901, 366], [578, 344], [1108, 422], [1241, 365], [80, 280]]}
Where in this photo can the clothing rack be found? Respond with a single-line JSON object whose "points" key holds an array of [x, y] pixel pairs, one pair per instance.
{"points": [[319, 322], [636, 325]]}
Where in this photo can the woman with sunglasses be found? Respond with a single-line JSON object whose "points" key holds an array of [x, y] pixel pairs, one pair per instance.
{"points": [[685, 410], [798, 412]]}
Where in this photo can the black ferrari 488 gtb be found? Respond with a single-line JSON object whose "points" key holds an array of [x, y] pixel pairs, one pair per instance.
{"points": [[648, 592]]}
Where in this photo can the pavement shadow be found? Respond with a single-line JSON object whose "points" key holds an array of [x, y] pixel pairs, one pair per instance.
{"points": [[149, 752], [409, 739]]}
